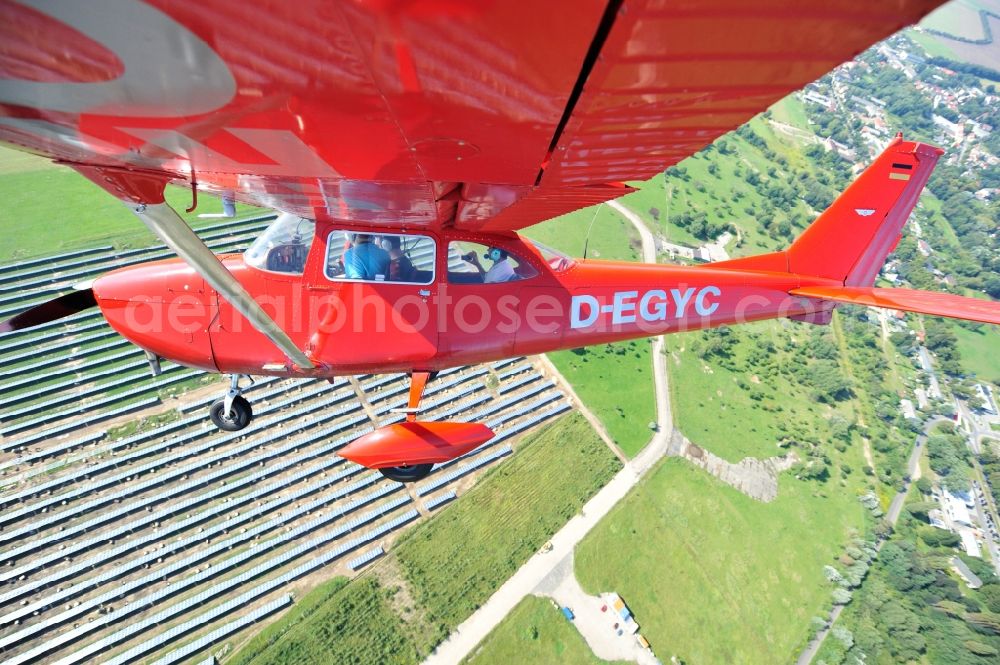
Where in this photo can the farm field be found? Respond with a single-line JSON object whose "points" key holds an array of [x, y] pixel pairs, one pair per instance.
{"points": [[960, 18], [964, 20], [534, 633], [429, 583], [740, 578], [324, 623]]}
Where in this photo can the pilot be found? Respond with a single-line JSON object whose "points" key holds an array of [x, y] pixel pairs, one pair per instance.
{"points": [[366, 260], [500, 271], [400, 267]]}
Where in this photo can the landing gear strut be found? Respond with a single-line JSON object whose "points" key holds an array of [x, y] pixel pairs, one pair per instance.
{"points": [[406, 452], [232, 412]]}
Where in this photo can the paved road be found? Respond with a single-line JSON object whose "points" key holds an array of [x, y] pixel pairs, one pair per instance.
{"points": [[716, 249], [473, 630], [978, 428], [934, 388], [895, 508]]}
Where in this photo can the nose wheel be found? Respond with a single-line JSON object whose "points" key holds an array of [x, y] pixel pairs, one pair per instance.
{"points": [[232, 412]]}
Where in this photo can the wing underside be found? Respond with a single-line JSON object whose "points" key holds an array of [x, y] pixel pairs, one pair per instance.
{"points": [[490, 116]]}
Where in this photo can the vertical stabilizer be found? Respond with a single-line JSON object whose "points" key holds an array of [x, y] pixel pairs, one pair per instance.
{"points": [[850, 241]]}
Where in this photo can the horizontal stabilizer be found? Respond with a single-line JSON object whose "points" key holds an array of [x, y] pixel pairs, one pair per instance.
{"points": [[908, 300]]}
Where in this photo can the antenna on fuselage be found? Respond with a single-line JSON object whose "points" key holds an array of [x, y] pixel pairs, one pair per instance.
{"points": [[586, 241]]}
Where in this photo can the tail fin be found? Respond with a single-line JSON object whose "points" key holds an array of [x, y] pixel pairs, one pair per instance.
{"points": [[851, 239], [849, 242]]}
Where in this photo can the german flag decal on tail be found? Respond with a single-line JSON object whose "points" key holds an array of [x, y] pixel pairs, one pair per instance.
{"points": [[900, 171]]}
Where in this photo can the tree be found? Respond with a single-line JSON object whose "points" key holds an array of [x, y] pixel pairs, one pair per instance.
{"points": [[936, 537], [829, 381], [991, 284], [924, 485], [920, 509], [986, 622], [841, 596], [990, 595], [980, 649]]}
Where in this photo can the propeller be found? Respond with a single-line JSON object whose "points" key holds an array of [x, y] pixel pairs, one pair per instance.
{"points": [[65, 305]]}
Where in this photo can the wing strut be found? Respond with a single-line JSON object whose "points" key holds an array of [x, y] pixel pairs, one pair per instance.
{"points": [[143, 194], [168, 226]]}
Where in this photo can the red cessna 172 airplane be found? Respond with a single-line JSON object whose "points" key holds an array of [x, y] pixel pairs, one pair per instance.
{"points": [[406, 142]]}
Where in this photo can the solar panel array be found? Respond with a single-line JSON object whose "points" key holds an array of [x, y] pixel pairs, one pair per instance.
{"points": [[366, 558], [160, 544]]}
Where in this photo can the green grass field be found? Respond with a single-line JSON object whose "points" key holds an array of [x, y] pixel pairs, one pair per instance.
{"points": [[980, 351], [534, 633], [50, 208], [610, 235], [714, 576], [505, 518], [627, 409], [746, 412], [616, 382], [325, 628], [449, 564]]}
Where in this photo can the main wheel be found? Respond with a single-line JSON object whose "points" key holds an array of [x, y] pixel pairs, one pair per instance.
{"points": [[407, 474], [239, 418]]}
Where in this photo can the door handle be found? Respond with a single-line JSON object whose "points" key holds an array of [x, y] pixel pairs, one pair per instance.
{"points": [[424, 293]]}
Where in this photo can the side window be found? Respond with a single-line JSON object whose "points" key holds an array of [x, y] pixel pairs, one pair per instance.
{"points": [[283, 247], [380, 257], [475, 263]]}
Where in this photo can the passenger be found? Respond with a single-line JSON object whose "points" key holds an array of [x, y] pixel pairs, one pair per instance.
{"points": [[400, 267], [365, 260], [500, 271]]}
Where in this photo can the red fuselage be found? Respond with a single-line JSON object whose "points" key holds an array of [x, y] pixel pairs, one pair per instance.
{"points": [[352, 328]]}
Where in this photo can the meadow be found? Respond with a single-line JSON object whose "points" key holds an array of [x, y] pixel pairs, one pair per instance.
{"points": [[713, 576], [748, 403], [979, 350]]}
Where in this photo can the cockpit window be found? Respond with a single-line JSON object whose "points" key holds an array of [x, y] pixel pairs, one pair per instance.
{"points": [[475, 263], [283, 247], [556, 259], [380, 257]]}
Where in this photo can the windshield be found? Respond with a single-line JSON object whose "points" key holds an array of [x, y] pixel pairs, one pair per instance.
{"points": [[283, 246], [556, 259]]}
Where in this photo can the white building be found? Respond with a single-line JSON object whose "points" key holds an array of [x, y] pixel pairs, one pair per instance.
{"points": [[956, 510], [969, 543]]}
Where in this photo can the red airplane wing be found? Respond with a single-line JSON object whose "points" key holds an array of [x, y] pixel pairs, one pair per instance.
{"points": [[486, 115], [908, 300]]}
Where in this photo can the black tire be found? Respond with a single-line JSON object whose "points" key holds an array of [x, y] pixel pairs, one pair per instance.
{"points": [[407, 474], [241, 416]]}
